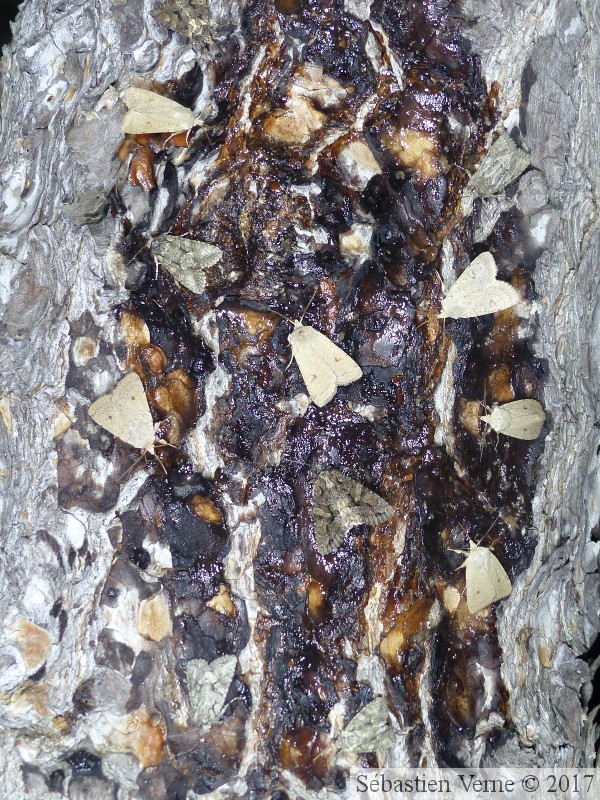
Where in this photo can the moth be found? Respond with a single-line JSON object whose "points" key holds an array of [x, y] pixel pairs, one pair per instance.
{"points": [[208, 684], [149, 112], [339, 504], [368, 731], [323, 365], [486, 578], [187, 259], [125, 413], [521, 419], [190, 18], [503, 163], [477, 291]]}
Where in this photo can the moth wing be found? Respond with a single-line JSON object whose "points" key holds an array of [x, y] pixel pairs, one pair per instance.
{"points": [[192, 279], [329, 535], [187, 259], [323, 365], [486, 579], [318, 377], [521, 419], [329, 529], [340, 504], [367, 507], [374, 507], [476, 291], [369, 730], [205, 254], [149, 112], [346, 369], [125, 413], [173, 250], [503, 163]]}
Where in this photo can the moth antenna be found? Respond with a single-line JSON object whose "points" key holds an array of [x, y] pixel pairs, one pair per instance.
{"points": [[428, 314], [493, 542], [273, 311], [162, 466], [279, 314], [144, 457], [175, 133], [162, 442], [135, 255], [165, 444], [464, 553], [485, 427], [441, 280], [132, 467], [482, 537], [283, 316], [306, 307], [491, 526]]}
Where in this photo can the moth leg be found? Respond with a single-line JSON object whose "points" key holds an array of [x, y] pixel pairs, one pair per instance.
{"points": [[484, 435], [134, 465]]}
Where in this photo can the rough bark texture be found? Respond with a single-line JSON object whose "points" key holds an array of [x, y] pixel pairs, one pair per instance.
{"points": [[62, 279], [551, 77]]}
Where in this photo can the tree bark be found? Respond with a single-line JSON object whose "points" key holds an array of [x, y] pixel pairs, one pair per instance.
{"points": [[62, 278]]}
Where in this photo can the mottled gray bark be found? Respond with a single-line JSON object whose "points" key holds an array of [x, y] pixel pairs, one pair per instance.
{"points": [[60, 131], [545, 56]]}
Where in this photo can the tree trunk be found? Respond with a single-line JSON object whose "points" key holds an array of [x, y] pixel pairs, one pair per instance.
{"points": [[150, 643]]}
